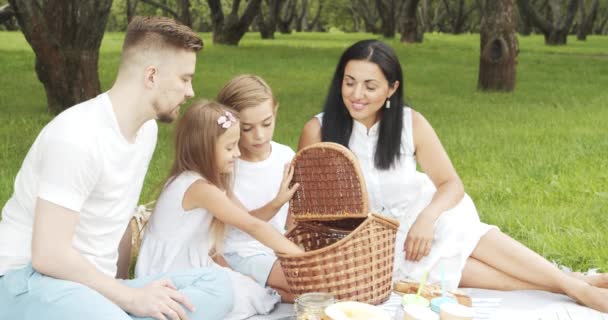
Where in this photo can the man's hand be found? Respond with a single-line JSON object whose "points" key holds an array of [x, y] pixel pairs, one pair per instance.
{"points": [[159, 299]]}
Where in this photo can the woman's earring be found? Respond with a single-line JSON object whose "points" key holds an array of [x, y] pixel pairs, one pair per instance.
{"points": [[388, 103]]}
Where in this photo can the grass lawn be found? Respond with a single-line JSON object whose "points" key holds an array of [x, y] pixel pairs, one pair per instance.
{"points": [[535, 160]]}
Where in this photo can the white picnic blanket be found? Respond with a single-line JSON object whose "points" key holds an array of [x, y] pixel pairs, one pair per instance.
{"points": [[494, 305]]}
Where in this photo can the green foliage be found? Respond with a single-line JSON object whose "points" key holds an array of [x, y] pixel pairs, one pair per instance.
{"points": [[117, 21], [533, 160]]}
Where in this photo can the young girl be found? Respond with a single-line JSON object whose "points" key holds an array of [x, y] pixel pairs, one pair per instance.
{"points": [[258, 177], [196, 203], [439, 227]]}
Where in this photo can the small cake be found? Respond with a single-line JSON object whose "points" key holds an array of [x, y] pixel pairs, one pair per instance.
{"points": [[431, 291], [352, 310]]}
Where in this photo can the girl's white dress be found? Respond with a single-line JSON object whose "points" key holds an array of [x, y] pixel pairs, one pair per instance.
{"points": [[402, 193], [176, 240]]}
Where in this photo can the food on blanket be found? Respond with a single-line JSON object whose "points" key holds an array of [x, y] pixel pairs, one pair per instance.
{"points": [[414, 299], [430, 291], [353, 310], [455, 311], [311, 306], [415, 312], [436, 303]]}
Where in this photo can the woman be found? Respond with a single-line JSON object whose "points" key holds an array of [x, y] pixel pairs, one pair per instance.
{"points": [[440, 228]]}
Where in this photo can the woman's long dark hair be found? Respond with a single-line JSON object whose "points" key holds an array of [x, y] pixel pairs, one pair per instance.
{"points": [[338, 124]]}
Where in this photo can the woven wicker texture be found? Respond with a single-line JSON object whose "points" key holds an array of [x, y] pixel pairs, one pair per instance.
{"points": [[138, 224], [357, 266], [349, 252], [331, 184]]}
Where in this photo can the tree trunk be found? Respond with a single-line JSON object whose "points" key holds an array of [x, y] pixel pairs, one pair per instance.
{"points": [[230, 30], [7, 17], [386, 10], [599, 29], [498, 47], [556, 37], [163, 7], [314, 25], [285, 17], [268, 25], [410, 29], [65, 36], [183, 10], [301, 23], [525, 23], [131, 9], [368, 16], [265, 29], [355, 16], [556, 25], [458, 16], [587, 20]]}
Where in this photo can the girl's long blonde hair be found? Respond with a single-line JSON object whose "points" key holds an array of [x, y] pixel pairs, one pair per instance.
{"points": [[245, 91], [196, 135]]}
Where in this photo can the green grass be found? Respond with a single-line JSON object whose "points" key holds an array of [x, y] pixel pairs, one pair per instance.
{"points": [[534, 160]]}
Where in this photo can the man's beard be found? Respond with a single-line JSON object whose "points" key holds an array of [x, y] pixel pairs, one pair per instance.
{"points": [[164, 117]]}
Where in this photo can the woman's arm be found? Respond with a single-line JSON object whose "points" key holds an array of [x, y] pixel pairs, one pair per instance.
{"points": [[435, 162], [204, 195], [311, 133]]}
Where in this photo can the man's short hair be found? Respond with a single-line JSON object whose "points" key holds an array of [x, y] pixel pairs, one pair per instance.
{"points": [[159, 33]]}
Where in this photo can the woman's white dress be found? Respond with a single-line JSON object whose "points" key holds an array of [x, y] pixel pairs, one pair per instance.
{"points": [[402, 193]]}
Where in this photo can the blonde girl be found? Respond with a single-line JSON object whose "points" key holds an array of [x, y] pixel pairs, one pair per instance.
{"points": [[197, 202]]}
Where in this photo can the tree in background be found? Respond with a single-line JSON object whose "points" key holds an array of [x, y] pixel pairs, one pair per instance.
{"points": [[181, 14], [388, 11], [587, 19], [183, 10], [602, 19], [304, 10], [65, 36], [556, 26], [131, 6], [524, 23], [368, 12], [7, 17], [498, 46], [230, 29], [432, 15], [411, 30], [458, 14], [286, 16], [268, 16]]}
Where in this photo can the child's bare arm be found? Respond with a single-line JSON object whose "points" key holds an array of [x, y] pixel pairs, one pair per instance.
{"points": [[204, 195]]}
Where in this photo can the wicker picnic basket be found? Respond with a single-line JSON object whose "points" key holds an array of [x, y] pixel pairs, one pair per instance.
{"points": [[349, 251]]}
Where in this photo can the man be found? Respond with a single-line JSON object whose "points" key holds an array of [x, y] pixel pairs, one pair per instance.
{"points": [[77, 189]]}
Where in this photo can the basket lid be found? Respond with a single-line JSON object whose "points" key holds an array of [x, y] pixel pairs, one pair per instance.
{"points": [[331, 184]]}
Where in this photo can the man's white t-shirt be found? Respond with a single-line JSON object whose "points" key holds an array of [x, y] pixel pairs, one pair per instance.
{"points": [[80, 161], [256, 184]]}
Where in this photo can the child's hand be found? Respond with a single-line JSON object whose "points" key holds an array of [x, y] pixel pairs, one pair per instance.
{"points": [[285, 192]]}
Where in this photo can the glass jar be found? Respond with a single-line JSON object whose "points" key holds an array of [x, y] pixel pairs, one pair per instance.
{"points": [[311, 306]]}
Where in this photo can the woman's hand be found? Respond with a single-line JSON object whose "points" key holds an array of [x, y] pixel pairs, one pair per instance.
{"points": [[160, 300], [285, 192], [420, 238]]}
